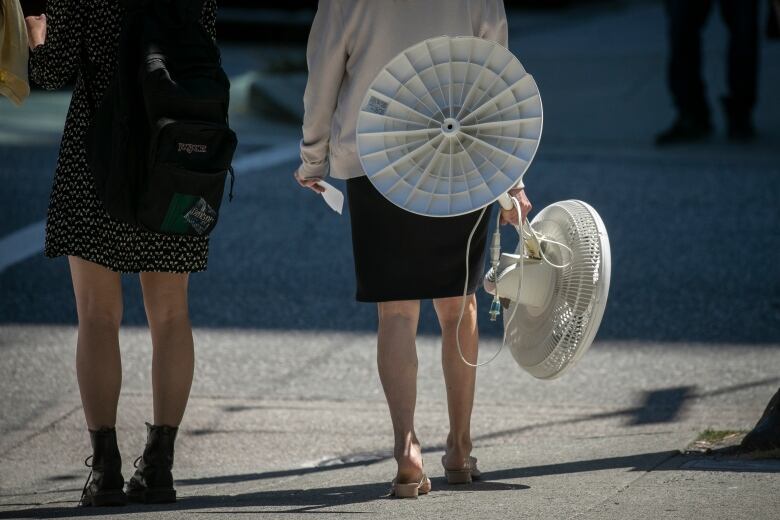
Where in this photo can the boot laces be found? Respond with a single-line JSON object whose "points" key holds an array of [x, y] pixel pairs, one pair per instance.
{"points": [[87, 463]]}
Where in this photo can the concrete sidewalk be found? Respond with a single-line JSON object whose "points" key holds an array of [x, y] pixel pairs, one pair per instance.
{"points": [[563, 449]]}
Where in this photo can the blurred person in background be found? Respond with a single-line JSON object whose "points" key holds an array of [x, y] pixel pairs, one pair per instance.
{"points": [[81, 38], [400, 257], [773, 20], [686, 20]]}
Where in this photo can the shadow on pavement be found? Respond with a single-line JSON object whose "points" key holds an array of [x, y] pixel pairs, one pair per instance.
{"points": [[661, 406], [315, 500], [638, 462], [292, 500]]}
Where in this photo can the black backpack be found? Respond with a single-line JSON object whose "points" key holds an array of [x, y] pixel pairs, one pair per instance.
{"points": [[159, 144]]}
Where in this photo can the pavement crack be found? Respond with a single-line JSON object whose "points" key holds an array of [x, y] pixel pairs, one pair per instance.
{"points": [[43, 430], [671, 455]]}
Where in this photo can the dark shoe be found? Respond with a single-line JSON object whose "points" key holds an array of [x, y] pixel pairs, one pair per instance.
{"points": [[152, 482], [740, 122], [765, 436], [105, 482], [685, 129], [741, 133]]}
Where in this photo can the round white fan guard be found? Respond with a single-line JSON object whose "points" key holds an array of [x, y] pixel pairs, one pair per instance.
{"points": [[554, 313], [449, 126]]}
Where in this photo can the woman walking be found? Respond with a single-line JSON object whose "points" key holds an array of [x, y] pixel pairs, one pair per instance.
{"points": [[76, 36], [400, 257]]}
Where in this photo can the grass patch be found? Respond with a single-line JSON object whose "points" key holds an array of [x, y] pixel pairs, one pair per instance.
{"points": [[715, 436]]}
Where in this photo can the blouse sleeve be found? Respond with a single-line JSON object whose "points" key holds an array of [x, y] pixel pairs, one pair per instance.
{"points": [[54, 62], [494, 24], [495, 28], [326, 56], [208, 18]]}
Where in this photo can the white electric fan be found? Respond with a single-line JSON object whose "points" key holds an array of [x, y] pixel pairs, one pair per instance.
{"points": [[447, 128]]}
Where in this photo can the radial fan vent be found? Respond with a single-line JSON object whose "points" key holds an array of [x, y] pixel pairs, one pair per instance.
{"points": [[449, 125]]}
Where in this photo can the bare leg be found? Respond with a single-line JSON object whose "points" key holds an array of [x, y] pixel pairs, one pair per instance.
{"points": [[173, 358], [98, 294], [397, 362], [459, 378]]}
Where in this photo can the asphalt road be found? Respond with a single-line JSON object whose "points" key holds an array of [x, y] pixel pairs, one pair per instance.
{"points": [[287, 414], [693, 230], [694, 243]]}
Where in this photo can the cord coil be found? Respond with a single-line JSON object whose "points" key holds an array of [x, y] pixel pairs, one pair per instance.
{"points": [[526, 233]]}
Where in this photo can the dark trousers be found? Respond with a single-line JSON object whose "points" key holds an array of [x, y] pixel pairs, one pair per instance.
{"points": [[686, 20]]}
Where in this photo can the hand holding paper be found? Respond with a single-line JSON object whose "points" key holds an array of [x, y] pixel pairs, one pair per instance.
{"points": [[333, 197]]}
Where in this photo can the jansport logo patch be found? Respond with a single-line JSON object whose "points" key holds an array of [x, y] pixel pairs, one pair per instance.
{"points": [[193, 148]]}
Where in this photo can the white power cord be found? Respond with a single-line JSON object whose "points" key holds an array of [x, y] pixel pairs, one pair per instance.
{"points": [[496, 241], [495, 258]]}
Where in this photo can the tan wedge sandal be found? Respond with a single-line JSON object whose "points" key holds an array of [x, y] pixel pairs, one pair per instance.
{"points": [[411, 490], [463, 475]]}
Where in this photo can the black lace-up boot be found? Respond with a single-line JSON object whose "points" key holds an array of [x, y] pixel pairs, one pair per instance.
{"points": [[105, 482], [152, 482]]}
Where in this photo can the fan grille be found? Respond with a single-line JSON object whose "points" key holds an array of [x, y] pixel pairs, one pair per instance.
{"points": [[547, 341], [449, 125]]}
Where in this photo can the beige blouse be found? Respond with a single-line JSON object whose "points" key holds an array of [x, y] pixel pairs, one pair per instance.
{"points": [[349, 43]]}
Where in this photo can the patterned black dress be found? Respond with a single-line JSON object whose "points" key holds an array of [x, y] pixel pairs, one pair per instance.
{"points": [[77, 223]]}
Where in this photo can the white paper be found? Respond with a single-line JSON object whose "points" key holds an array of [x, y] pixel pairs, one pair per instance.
{"points": [[333, 197]]}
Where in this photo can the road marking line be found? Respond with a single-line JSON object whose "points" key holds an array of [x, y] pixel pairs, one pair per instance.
{"points": [[22, 244], [29, 240]]}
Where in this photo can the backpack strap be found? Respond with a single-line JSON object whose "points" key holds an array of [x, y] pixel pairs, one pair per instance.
{"points": [[191, 10], [176, 11], [179, 12]]}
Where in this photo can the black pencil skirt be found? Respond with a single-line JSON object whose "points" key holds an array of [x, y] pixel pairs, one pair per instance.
{"points": [[400, 255]]}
